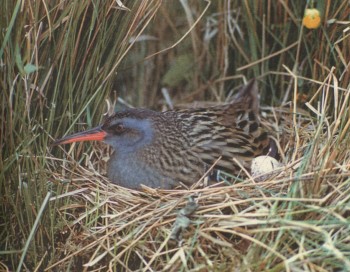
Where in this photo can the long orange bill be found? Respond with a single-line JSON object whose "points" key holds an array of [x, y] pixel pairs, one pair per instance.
{"points": [[94, 134]]}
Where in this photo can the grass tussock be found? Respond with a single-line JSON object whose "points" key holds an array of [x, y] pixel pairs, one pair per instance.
{"points": [[61, 60]]}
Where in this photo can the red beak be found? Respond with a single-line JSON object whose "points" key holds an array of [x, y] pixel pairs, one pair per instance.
{"points": [[94, 134]]}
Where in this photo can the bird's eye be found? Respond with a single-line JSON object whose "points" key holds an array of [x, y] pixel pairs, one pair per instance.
{"points": [[117, 128]]}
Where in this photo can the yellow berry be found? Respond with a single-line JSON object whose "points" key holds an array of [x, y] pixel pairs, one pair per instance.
{"points": [[312, 18]]}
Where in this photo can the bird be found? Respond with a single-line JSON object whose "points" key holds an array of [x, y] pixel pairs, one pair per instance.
{"points": [[176, 147]]}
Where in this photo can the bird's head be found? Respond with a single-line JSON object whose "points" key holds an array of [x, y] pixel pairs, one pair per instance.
{"points": [[125, 131]]}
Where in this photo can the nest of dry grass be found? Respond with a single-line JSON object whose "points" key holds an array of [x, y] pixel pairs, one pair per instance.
{"points": [[290, 221]]}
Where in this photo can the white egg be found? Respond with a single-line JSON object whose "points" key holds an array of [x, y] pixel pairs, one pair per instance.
{"points": [[264, 167]]}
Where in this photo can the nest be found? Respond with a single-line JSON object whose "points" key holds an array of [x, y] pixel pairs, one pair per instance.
{"points": [[223, 227]]}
